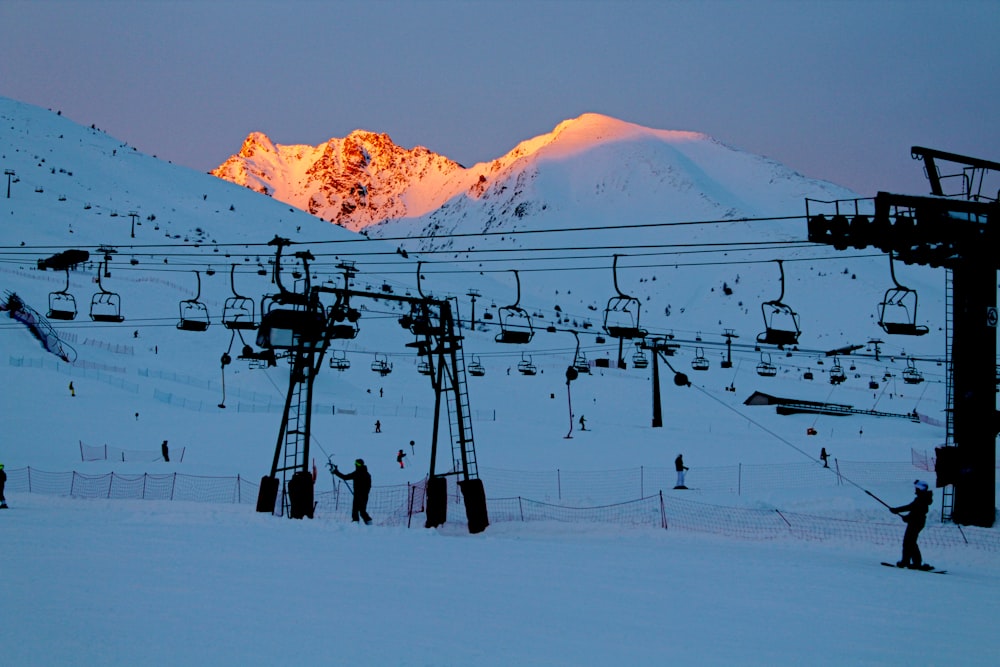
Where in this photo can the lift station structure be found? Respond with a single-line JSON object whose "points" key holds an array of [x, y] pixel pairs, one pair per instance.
{"points": [[957, 232], [302, 324]]}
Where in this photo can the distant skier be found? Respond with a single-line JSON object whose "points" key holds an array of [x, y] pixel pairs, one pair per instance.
{"points": [[72, 391], [166, 452], [362, 487], [3, 483], [400, 455], [583, 423], [915, 519], [824, 457], [681, 470], [378, 426]]}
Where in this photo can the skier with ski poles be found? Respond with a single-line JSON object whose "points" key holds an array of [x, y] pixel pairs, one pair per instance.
{"points": [[915, 518]]}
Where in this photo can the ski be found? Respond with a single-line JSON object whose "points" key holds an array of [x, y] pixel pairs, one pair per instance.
{"points": [[926, 568]]}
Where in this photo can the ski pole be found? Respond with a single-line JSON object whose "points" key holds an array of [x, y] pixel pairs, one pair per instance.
{"points": [[888, 506]]}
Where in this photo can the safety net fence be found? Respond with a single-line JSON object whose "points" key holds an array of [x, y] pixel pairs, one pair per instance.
{"points": [[404, 505]]}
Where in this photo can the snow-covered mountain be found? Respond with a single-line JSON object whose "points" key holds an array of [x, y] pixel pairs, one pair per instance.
{"points": [[589, 168]]}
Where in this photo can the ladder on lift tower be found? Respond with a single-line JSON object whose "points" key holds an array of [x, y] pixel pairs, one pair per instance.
{"points": [[948, 491], [463, 451]]}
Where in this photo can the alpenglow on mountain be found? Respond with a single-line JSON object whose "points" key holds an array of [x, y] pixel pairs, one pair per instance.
{"points": [[592, 169]]}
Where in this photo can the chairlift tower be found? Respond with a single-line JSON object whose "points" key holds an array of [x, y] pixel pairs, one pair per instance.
{"points": [[960, 235]]}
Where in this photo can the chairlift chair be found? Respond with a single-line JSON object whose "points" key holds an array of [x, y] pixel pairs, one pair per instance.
{"points": [[700, 362], [912, 374], [781, 323], [765, 368], [424, 368], [105, 306], [525, 367], [381, 364], [639, 360], [837, 374], [193, 313], [515, 323], [581, 364], [339, 360], [621, 315], [238, 312], [898, 309], [62, 304], [476, 368]]}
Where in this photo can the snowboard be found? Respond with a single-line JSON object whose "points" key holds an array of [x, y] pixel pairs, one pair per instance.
{"points": [[925, 568]]}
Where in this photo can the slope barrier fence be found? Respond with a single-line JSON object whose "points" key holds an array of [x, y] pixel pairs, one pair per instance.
{"points": [[403, 505]]}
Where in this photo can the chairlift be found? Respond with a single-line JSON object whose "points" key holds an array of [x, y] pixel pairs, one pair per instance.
{"points": [[898, 310], [700, 363], [381, 364], [62, 304], [639, 359], [105, 306], [581, 364], [525, 367], [837, 374], [296, 323], [872, 384], [765, 368], [912, 375], [621, 315], [781, 323], [515, 323], [193, 313], [808, 375], [238, 312], [339, 360], [424, 368], [476, 368]]}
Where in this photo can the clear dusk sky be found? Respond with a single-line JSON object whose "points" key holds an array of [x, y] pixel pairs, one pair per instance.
{"points": [[838, 90]]}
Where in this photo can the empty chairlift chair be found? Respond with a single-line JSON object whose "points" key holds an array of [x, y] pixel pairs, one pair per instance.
{"points": [[765, 368], [525, 367], [781, 323], [700, 362], [621, 315], [898, 309], [193, 313], [476, 368], [912, 374], [105, 306], [62, 304], [515, 323], [239, 312]]}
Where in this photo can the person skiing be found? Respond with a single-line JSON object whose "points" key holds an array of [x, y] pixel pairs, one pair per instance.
{"points": [[915, 518], [165, 451], [3, 483], [824, 457], [583, 423], [362, 487], [378, 426], [72, 391], [681, 470], [400, 455]]}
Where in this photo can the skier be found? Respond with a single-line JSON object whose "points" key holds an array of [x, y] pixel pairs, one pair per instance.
{"points": [[824, 457], [378, 426], [400, 455], [3, 483], [362, 487], [165, 451], [915, 518], [72, 391], [681, 469], [583, 423]]}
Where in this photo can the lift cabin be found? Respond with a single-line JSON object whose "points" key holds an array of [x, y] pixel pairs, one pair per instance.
{"points": [[239, 312], [897, 313], [193, 313], [515, 323], [62, 304], [781, 323], [105, 306], [621, 315]]}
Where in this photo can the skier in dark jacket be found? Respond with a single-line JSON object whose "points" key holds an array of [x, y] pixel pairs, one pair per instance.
{"points": [[915, 519], [362, 487], [681, 470], [3, 483]]}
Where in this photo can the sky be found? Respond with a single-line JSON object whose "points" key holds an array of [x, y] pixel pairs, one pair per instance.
{"points": [[836, 90]]}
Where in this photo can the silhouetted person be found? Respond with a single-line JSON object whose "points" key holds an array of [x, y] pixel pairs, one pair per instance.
{"points": [[400, 455], [915, 519], [72, 391], [362, 487], [583, 423], [165, 451], [824, 457], [378, 426], [681, 470], [3, 483]]}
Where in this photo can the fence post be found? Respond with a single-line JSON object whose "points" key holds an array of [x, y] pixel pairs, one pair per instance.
{"points": [[72, 483], [642, 470], [558, 487], [836, 464], [739, 480], [81, 450], [111, 482], [173, 484], [29, 479], [663, 512], [144, 476], [520, 508], [239, 490]]}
